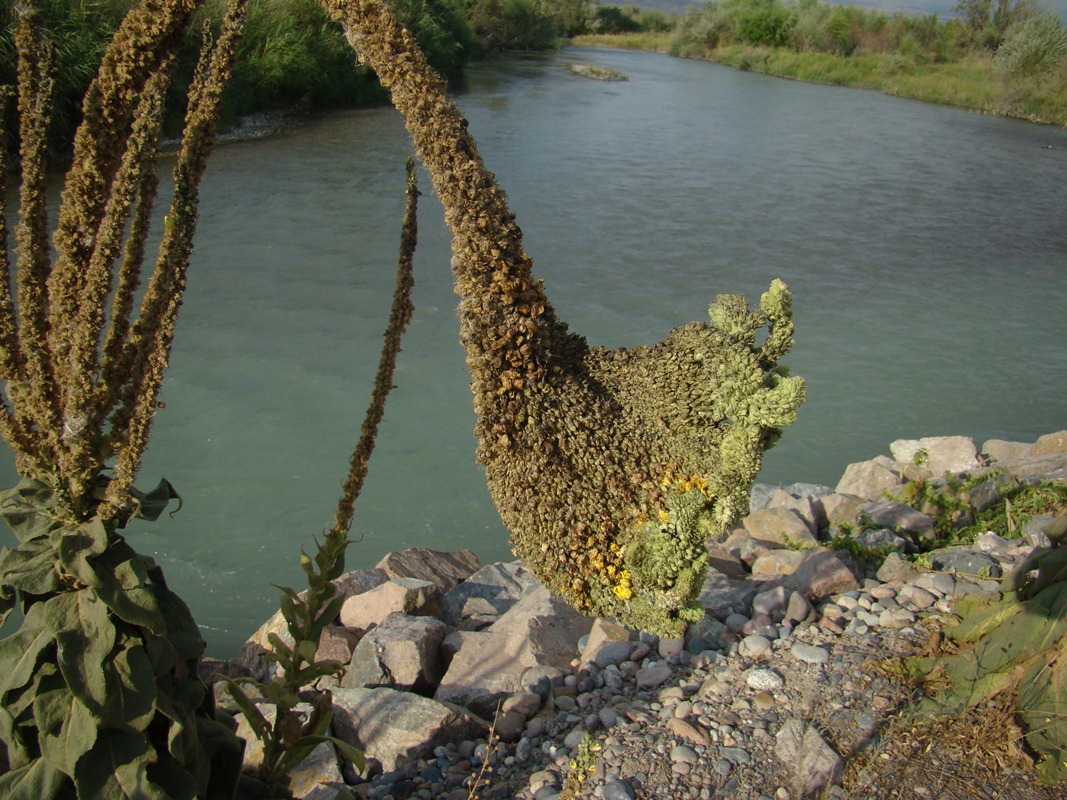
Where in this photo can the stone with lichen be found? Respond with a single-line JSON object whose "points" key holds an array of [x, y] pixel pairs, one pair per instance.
{"points": [[609, 467]]}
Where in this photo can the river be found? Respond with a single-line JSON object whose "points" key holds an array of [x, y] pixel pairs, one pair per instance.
{"points": [[926, 248]]}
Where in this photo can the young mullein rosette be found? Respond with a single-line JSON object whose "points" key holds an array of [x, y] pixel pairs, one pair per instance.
{"points": [[99, 696], [575, 439]]}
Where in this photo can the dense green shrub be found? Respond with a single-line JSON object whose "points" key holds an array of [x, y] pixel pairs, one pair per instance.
{"points": [[1034, 46], [766, 22]]}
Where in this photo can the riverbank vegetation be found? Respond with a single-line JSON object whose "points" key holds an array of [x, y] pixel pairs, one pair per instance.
{"points": [[1006, 57], [997, 56]]}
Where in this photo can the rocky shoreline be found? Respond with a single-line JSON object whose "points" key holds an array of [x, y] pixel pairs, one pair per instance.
{"points": [[468, 681]]}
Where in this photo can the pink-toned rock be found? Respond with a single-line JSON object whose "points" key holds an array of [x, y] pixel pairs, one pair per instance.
{"points": [[402, 653], [396, 596], [608, 643], [777, 562], [395, 727], [539, 630], [842, 509], [821, 573], [1000, 451], [445, 570], [868, 479], [807, 508], [779, 525], [939, 454], [1050, 443]]}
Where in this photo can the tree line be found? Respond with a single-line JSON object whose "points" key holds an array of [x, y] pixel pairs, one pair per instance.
{"points": [[293, 57]]}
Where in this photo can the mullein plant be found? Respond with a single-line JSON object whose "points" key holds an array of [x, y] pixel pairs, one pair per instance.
{"points": [[99, 696], [291, 733], [610, 468]]}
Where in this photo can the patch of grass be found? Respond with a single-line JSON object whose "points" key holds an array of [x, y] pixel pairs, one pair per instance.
{"points": [[654, 42]]}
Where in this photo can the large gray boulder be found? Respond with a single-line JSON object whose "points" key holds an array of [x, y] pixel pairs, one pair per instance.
{"points": [[445, 570], [500, 585], [402, 653], [783, 526], [868, 479], [396, 596], [939, 454], [396, 727], [539, 630]]}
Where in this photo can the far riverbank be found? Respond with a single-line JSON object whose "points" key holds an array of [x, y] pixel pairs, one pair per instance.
{"points": [[969, 83]]}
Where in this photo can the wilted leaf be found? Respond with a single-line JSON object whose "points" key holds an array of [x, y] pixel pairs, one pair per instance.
{"points": [[25, 509], [150, 505]]}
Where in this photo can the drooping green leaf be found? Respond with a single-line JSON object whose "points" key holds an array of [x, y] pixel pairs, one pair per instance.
{"points": [[38, 780], [18, 755], [150, 505], [180, 785], [85, 639], [980, 613], [260, 726], [1042, 622], [8, 599], [66, 728], [75, 547], [326, 616], [25, 509], [124, 591], [132, 699], [21, 651], [117, 769], [30, 568]]}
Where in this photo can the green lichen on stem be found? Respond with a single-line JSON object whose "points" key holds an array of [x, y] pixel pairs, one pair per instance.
{"points": [[575, 440]]}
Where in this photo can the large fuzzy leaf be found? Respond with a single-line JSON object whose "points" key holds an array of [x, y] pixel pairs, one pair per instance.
{"points": [[25, 509], [75, 547], [21, 651], [1043, 711], [85, 638], [117, 769], [66, 728], [132, 698], [123, 587], [38, 780], [30, 568]]}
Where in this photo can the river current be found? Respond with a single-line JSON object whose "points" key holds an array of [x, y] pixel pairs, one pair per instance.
{"points": [[926, 248]]}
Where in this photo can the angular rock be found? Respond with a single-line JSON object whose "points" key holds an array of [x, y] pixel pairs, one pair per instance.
{"points": [[782, 526], [821, 572], [898, 518], [811, 761], [809, 509], [966, 562], [939, 454], [777, 562], [707, 634], [1033, 531], [798, 609], [895, 569], [396, 727], [842, 509], [1050, 443], [445, 570], [999, 451], [401, 653], [868, 479], [1049, 467], [771, 602], [539, 630], [883, 539], [501, 585], [608, 643], [396, 596]]}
